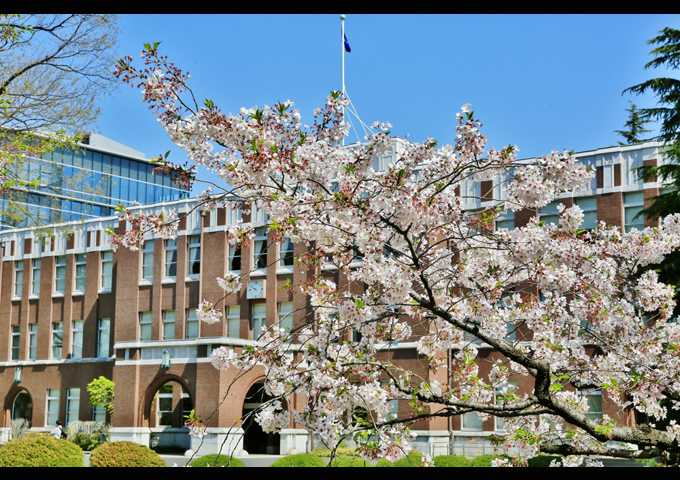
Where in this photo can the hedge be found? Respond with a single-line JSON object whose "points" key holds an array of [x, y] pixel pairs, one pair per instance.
{"points": [[461, 461], [125, 454], [217, 460], [413, 459], [40, 450], [542, 460], [300, 460]]}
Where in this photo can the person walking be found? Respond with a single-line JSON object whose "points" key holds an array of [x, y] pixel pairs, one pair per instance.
{"points": [[58, 431]]}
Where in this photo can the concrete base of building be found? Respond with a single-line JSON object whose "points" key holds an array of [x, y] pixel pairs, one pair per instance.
{"points": [[227, 441], [141, 435], [293, 440], [432, 442]]}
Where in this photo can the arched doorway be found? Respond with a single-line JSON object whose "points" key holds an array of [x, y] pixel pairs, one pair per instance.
{"points": [[170, 405], [22, 407], [254, 439]]}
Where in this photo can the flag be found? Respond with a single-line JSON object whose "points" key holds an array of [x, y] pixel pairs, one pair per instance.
{"points": [[347, 47]]}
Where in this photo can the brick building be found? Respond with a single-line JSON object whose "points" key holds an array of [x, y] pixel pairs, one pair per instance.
{"points": [[72, 310]]}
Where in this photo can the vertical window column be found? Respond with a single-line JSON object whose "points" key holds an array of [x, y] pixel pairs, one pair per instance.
{"points": [[103, 337], [193, 255], [147, 261], [57, 340], [107, 271], [32, 341], [77, 339], [59, 274], [18, 279], [169, 318], [191, 325], [16, 342], [234, 321], [170, 259], [35, 277], [286, 316], [258, 319], [80, 273], [72, 405], [52, 408], [145, 325], [260, 248]]}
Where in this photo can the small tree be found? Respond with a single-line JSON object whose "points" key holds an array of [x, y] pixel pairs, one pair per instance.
{"points": [[101, 392], [635, 126]]}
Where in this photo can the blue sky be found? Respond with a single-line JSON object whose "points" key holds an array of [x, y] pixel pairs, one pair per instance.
{"points": [[541, 82]]}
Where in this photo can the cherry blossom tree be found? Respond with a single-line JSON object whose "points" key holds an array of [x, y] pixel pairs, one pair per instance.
{"points": [[437, 275]]}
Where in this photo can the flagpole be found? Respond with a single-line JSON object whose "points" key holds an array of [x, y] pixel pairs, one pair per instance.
{"points": [[342, 56]]}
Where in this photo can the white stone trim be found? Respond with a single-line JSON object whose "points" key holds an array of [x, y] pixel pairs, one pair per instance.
{"points": [[63, 361]]}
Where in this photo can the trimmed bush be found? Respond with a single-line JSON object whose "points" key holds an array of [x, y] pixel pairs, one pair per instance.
{"points": [[300, 460], [40, 450], [348, 461], [460, 461], [216, 460], [413, 459], [125, 454]]}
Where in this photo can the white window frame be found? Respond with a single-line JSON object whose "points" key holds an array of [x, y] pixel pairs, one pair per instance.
{"points": [[163, 395], [35, 277], [100, 332], [259, 239], [106, 278], [465, 428], [57, 328], [80, 264], [59, 276], [580, 201], [258, 319], [234, 321], [285, 312], [72, 399], [77, 327], [233, 248], [147, 252], [633, 205], [15, 342], [594, 392], [18, 286], [32, 341], [52, 395], [145, 320], [192, 319], [166, 243], [282, 254], [192, 246], [174, 324]]}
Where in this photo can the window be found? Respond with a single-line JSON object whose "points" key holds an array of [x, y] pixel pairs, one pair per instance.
{"points": [[147, 261], [81, 272], [99, 414], [505, 221], [59, 274], [501, 396], [57, 340], [107, 271], [145, 325], [77, 339], [234, 214], [594, 398], [194, 255], [52, 407], [393, 409], [286, 255], [169, 318], [258, 320], [589, 207], [16, 342], [170, 258], [32, 341], [19, 279], [633, 203], [286, 316], [548, 214], [471, 421], [164, 406], [260, 248], [234, 321], [72, 405], [35, 277], [234, 257], [511, 332], [103, 336], [191, 326]]}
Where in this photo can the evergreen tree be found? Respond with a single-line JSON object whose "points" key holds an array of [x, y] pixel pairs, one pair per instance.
{"points": [[667, 90], [635, 126]]}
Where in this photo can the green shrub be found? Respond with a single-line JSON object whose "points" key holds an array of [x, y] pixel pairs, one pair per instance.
{"points": [[300, 460], [543, 460], [216, 460], [413, 459], [40, 450], [348, 461], [344, 451], [460, 461], [87, 435], [125, 454], [648, 462]]}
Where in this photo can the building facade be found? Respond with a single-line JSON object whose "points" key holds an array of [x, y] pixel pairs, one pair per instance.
{"points": [[85, 182], [72, 310]]}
